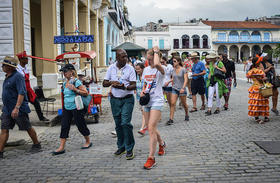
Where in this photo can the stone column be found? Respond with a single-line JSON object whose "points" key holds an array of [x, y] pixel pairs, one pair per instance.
{"points": [[200, 42], [84, 27], [191, 43], [94, 31], [239, 54], [101, 43], [49, 49], [70, 22]]}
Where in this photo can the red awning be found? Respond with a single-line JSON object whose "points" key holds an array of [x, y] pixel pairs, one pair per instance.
{"points": [[84, 54]]}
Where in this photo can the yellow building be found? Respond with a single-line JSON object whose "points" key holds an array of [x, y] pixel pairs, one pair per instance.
{"points": [[32, 24]]}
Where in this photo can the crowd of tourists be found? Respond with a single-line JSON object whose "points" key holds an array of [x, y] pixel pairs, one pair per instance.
{"points": [[155, 82]]}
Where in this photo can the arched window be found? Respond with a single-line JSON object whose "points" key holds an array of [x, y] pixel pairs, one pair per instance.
{"points": [[244, 36], [196, 41], [256, 36], [205, 41], [185, 41], [233, 36]]}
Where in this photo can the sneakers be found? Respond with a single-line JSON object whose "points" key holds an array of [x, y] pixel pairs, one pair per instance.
{"points": [[170, 122], [1, 155], [161, 150], [36, 148], [143, 131], [150, 163], [208, 113], [44, 119], [187, 118], [129, 155], [119, 152]]}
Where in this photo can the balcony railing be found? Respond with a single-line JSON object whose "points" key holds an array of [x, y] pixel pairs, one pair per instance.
{"points": [[242, 40]]}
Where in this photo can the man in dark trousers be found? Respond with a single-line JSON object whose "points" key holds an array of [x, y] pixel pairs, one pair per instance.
{"points": [[121, 76], [15, 105], [230, 67], [32, 98]]}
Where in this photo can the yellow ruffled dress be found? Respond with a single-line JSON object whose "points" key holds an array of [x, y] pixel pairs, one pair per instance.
{"points": [[258, 105]]}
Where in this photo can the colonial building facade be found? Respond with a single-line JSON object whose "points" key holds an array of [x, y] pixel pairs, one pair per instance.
{"points": [[183, 38], [31, 25], [241, 39], [238, 39]]}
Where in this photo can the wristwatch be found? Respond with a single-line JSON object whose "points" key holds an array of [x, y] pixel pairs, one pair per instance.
{"points": [[17, 107]]}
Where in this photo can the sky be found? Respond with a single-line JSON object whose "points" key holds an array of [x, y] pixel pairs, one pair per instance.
{"points": [[144, 11]]}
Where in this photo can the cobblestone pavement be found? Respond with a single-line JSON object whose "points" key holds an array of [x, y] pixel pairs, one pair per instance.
{"points": [[218, 148]]}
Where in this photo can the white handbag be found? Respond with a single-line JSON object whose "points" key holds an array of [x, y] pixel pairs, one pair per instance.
{"points": [[79, 102]]}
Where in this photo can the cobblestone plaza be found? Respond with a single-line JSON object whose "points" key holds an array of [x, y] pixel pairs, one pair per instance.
{"points": [[218, 148]]}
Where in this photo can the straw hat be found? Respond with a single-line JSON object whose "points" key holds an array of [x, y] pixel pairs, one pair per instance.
{"points": [[212, 55], [194, 55], [10, 61]]}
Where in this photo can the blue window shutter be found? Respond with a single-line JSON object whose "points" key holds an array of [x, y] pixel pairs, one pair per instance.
{"points": [[221, 36], [161, 44], [150, 43]]}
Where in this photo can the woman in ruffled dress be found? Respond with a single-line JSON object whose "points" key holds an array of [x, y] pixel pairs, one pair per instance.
{"points": [[258, 105]]}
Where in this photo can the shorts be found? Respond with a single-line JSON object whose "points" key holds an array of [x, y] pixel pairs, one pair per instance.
{"points": [[228, 83], [7, 122], [167, 89], [177, 92], [198, 86], [156, 108]]}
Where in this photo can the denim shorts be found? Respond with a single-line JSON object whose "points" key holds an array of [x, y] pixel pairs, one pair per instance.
{"points": [[167, 89], [177, 92], [156, 108]]}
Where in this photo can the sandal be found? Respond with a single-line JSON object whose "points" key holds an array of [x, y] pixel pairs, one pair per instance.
{"points": [[194, 109], [226, 107], [259, 121], [202, 107]]}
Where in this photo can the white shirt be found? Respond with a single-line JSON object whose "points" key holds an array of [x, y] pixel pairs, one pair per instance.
{"points": [[124, 75], [22, 70], [156, 95], [168, 73]]}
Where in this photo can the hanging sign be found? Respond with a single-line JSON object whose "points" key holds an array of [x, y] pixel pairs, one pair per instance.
{"points": [[73, 39], [95, 89]]}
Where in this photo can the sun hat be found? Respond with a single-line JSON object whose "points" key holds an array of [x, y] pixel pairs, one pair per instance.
{"points": [[10, 61], [212, 55], [194, 55]]}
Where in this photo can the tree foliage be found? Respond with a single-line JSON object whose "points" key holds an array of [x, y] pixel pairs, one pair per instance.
{"points": [[276, 51]]}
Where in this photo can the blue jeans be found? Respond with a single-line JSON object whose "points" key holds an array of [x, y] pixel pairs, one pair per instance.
{"points": [[122, 112]]}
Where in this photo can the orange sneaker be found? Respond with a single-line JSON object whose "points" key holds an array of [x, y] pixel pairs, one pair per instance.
{"points": [[143, 131], [150, 163], [161, 150]]}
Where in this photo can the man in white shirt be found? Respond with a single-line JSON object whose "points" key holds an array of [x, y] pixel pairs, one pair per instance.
{"points": [[122, 78], [32, 97]]}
